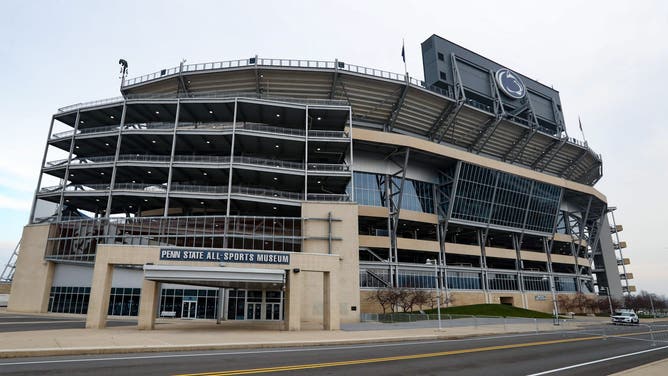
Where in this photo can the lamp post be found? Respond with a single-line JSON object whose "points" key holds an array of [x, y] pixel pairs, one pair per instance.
{"points": [[437, 288], [607, 293], [555, 308], [652, 304]]}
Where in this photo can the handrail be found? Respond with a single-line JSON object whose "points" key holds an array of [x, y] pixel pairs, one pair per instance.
{"points": [[69, 133], [91, 104], [240, 126], [218, 159]]}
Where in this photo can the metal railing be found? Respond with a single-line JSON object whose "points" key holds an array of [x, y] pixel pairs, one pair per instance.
{"points": [[227, 126], [80, 131], [328, 167], [148, 126], [76, 239], [214, 159], [99, 102]]}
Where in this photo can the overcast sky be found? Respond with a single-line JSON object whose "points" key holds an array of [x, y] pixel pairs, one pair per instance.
{"points": [[608, 60]]}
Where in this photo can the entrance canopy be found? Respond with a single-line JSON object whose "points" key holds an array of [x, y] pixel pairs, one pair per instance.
{"points": [[240, 278]]}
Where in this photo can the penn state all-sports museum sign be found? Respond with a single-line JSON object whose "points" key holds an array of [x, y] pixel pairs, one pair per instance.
{"points": [[176, 254]]}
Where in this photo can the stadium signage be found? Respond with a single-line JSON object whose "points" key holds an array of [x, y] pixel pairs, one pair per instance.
{"points": [[510, 83], [175, 254]]}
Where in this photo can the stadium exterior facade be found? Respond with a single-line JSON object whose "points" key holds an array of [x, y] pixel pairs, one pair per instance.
{"points": [[289, 190]]}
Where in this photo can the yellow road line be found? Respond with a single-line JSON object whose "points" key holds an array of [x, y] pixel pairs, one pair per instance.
{"points": [[407, 357]]}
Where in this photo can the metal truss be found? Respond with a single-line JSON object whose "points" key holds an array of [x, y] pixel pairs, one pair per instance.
{"points": [[548, 155], [518, 147], [397, 108], [335, 80], [568, 171], [8, 271], [392, 195], [444, 193], [488, 129], [592, 175], [183, 87], [582, 224], [446, 120]]}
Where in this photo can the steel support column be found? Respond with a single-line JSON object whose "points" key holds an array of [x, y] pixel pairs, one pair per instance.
{"points": [[112, 181], [393, 199], [41, 172], [443, 194], [397, 107], [170, 172], [67, 167]]}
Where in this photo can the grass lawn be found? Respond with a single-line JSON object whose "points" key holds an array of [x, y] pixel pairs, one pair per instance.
{"points": [[492, 310]]}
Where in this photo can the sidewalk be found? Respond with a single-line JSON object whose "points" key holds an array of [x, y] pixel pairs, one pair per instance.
{"points": [[180, 335]]}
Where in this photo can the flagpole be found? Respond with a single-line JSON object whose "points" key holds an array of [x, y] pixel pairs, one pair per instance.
{"points": [[403, 54], [582, 131]]}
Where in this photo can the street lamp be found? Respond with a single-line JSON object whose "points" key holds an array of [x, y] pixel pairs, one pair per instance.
{"points": [[437, 288], [555, 308], [652, 304], [607, 293]]}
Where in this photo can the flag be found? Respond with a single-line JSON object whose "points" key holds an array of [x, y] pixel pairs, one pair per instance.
{"points": [[403, 52], [580, 122]]}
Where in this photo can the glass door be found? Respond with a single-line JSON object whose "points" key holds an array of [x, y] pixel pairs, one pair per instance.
{"points": [[189, 310], [272, 311], [253, 311]]}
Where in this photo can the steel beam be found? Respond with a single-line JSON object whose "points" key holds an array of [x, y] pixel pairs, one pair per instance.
{"points": [[397, 108], [591, 174], [67, 167], [393, 198], [487, 130], [165, 212], [112, 181], [335, 79], [549, 154], [518, 147], [447, 119], [31, 219], [568, 171], [181, 81]]}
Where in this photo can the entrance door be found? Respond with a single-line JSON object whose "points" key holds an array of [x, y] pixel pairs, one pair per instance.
{"points": [[189, 310], [253, 311], [272, 311]]}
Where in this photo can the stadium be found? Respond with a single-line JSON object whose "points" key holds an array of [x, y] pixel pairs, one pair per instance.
{"points": [[291, 190]]}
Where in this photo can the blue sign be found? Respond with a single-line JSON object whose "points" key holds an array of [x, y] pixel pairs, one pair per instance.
{"points": [[176, 254], [510, 83]]}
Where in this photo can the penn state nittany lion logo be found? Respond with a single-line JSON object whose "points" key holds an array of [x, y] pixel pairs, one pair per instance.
{"points": [[510, 83]]}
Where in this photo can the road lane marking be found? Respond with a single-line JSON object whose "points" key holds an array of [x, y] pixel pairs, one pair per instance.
{"points": [[288, 350], [596, 361], [405, 357]]}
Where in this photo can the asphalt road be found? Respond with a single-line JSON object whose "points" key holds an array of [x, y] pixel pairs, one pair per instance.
{"points": [[621, 348], [18, 323]]}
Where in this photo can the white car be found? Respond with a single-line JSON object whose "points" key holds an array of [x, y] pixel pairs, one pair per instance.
{"points": [[625, 317]]}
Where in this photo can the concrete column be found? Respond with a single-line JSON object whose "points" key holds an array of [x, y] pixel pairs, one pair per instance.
{"points": [[31, 287], [148, 305], [330, 309], [294, 301], [98, 304]]}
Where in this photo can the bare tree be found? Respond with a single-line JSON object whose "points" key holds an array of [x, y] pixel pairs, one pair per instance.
{"points": [[383, 298]]}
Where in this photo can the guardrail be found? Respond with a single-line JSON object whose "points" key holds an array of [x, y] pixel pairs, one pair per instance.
{"points": [[240, 126], [254, 161]]}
